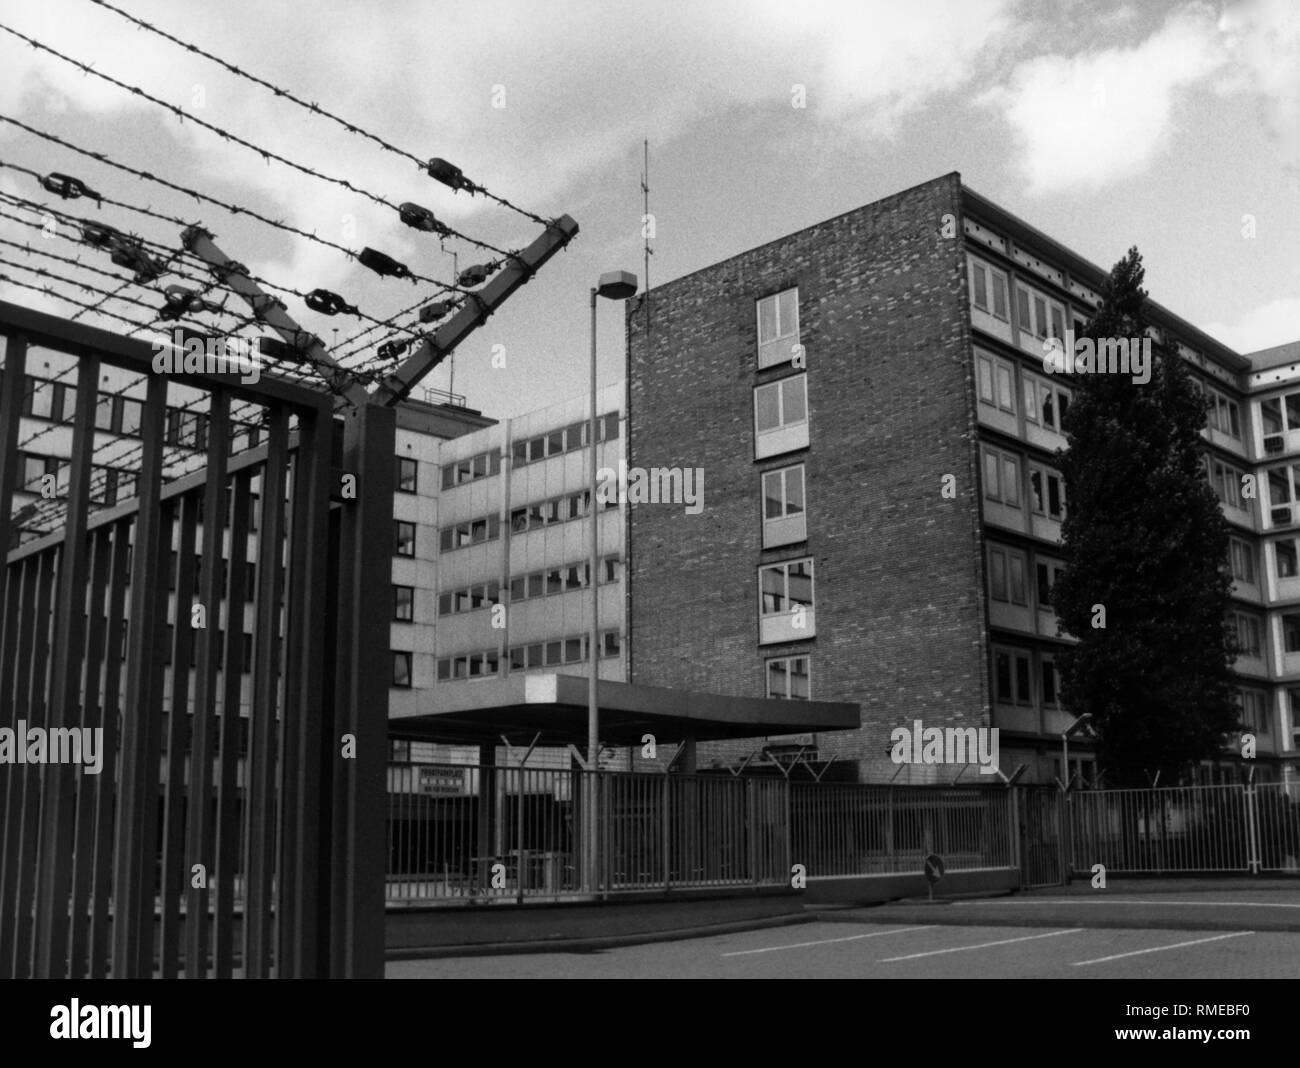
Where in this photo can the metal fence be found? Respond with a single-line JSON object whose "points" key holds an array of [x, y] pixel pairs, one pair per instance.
{"points": [[221, 832], [470, 834], [864, 829], [1234, 827], [488, 834]]}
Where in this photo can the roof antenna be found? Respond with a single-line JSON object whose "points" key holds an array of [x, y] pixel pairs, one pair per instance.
{"points": [[646, 228]]}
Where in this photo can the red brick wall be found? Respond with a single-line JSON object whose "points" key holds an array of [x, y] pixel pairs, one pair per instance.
{"points": [[898, 579]]}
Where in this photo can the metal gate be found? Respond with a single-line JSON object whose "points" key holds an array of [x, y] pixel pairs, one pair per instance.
{"points": [[236, 824], [1040, 820]]}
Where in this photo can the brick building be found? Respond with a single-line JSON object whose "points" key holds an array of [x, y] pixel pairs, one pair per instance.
{"points": [[867, 399]]}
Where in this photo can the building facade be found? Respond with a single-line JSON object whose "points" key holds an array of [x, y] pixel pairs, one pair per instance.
{"points": [[868, 399]]}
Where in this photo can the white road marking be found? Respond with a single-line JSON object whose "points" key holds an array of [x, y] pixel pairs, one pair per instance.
{"points": [[1160, 949], [827, 941], [1129, 901], [982, 945]]}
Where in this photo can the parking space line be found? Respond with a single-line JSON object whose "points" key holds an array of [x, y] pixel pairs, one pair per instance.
{"points": [[982, 945], [1160, 949], [827, 941], [1131, 901]]}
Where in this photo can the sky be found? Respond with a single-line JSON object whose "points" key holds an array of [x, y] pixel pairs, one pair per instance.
{"points": [[1171, 126]]}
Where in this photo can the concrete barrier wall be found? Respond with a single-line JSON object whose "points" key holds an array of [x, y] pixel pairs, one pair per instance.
{"points": [[874, 889]]}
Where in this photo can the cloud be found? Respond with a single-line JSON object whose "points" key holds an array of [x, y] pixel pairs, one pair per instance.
{"points": [[1263, 39], [1083, 121], [1262, 327]]}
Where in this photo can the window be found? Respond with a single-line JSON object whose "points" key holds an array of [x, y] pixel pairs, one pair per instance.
{"points": [[1051, 687], [1006, 575], [132, 414], [1242, 555], [1225, 480], [1039, 315], [1254, 712], [402, 670], [473, 468], [38, 400], [1247, 628], [1291, 633], [783, 506], [1045, 403], [1225, 416], [1046, 492], [778, 327], [786, 586], [1011, 677], [552, 443], [104, 412], [1002, 477], [996, 380], [1047, 572], [786, 601], [407, 470], [787, 677], [1284, 553], [404, 539], [780, 404], [1283, 486], [403, 604], [988, 288], [486, 528], [1271, 413]]}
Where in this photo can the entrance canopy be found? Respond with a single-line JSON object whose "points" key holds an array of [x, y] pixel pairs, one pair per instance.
{"points": [[555, 706]]}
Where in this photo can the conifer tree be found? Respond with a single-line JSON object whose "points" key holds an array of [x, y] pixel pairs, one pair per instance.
{"points": [[1146, 582]]}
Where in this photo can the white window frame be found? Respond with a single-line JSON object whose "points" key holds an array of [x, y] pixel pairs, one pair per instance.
{"points": [[1010, 557], [995, 280], [1241, 549], [1033, 299], [779, 348], [998, 370], [1046, 474], [997, 493], [785, 436], [789, 526], [787, 660], [1015, 654]]}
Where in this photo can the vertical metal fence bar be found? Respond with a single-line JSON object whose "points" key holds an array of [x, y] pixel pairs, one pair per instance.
{"points": [[229, 821], [133, 879], [109, 783], [20, 597], [34, 705], [58, 780], [199, 836], [175, 789], [259, 915], [87, 789]]}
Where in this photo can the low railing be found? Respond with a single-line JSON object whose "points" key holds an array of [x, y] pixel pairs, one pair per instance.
{"points": [[1230, 827]]}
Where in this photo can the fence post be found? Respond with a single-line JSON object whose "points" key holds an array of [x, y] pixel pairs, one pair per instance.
{"points": [[1252, 830], [666, 833], [751, 829], [1017, 852]]}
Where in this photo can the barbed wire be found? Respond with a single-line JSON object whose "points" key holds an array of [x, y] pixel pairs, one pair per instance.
{"points": [[204, 197], [99, 198], [265, 153], [314, 108]]}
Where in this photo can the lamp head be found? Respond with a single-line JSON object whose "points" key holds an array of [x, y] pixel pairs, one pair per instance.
{"points": [[616, 285]]}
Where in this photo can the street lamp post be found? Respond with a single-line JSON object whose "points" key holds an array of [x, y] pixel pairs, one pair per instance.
{"points": [[614, 285]]}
